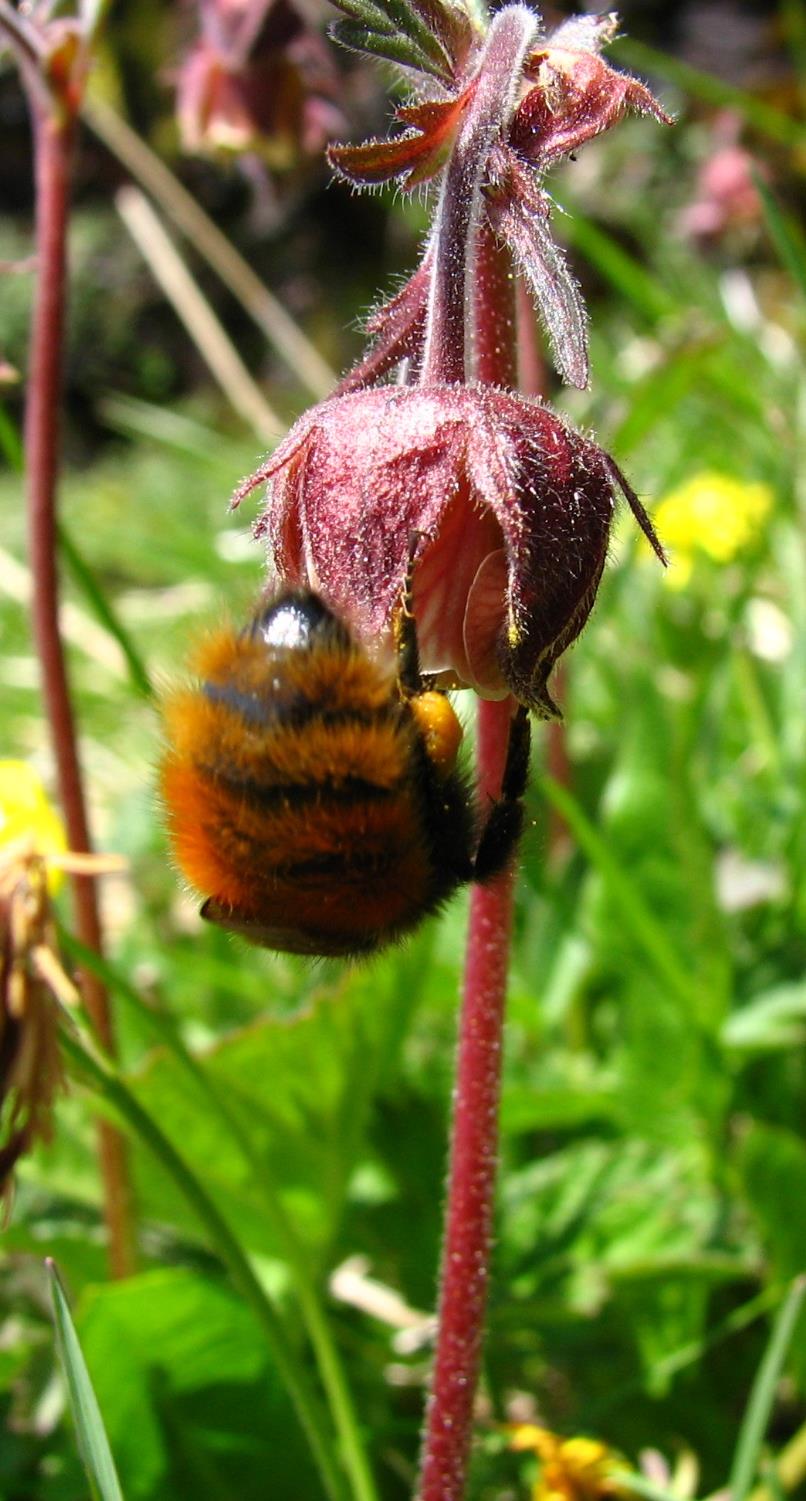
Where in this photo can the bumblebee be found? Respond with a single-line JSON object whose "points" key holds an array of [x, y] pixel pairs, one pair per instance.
{"points": [[313, 793]]}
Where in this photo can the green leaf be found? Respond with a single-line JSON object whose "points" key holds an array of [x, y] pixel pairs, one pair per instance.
{"points": [[776, 1019], [192, 1402], [393, 29], [638, 919], [772, 1165], [628, 276], [772, 1162], [405, 18], [227, 1245], [366, 14], [10, 441], [762, 1397], [93, 1443], [216, 1099], [394, 49], [324, 1065]]}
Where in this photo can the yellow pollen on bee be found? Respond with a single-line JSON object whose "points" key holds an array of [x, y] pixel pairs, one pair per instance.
{"points": [[439, 727]]}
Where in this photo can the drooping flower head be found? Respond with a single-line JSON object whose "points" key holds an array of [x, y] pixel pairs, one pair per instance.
{"points": [[258, 78], [512, 508]]}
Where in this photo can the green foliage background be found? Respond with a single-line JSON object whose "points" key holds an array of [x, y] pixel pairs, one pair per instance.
{"points": [[652, 1205]]}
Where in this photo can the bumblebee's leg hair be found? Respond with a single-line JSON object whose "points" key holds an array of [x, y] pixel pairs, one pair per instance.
{"points": [[408, 652], [504, 822]]}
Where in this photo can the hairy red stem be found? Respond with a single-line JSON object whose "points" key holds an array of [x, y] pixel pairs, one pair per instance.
{"points": [[474, 1138], [53, 137], [456, 222], [473, 1158]]}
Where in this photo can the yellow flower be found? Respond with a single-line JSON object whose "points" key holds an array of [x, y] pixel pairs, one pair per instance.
{"points": [[571, 1469], [711, 514], [33, 855], [27, 818]]}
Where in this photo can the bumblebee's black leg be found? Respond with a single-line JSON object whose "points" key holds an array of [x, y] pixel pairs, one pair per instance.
{"points": [[502, 828], [408, 652]]}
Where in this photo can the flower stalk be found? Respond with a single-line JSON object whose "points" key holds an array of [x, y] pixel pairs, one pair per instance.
{"points": [[473, 1156], [491, 96], [53, 119], [473, 1161]]}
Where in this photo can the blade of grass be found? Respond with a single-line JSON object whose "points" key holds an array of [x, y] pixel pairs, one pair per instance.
{"points": [[615, 264], [93, 1444], [10, 441], [290, 343], [638, 918], [331, 1371], [762, 1397], [143, 419], [657, 395], [110, 1087], [772, 1482], [789, 1469], [786, 236], [763, 117], [627, 1482], [690, 1354], [85, 580], [793, 25], [208, 334], [77, 626]]}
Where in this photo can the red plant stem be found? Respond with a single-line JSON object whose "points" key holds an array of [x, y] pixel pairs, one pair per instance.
{"points": [[474, 1139], [53, 138], [494, 329], [452, 241], [532, 370], [473, 1158]]}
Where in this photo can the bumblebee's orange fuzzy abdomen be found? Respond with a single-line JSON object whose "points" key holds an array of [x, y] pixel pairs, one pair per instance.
{"points": [[295, 798]]}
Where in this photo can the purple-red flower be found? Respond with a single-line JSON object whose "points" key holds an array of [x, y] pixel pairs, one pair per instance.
{"points": [[727, 196], [258, 78], [511, 505]]}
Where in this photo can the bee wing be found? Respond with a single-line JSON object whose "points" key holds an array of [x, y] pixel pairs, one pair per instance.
{"points": [[284, 940]]}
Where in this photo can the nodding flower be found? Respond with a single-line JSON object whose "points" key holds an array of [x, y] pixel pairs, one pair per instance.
{"points": [[509, 508], [258, 78]]}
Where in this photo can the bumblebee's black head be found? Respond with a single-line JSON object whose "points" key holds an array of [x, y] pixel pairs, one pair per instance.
{"points": [[299, 622]]}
